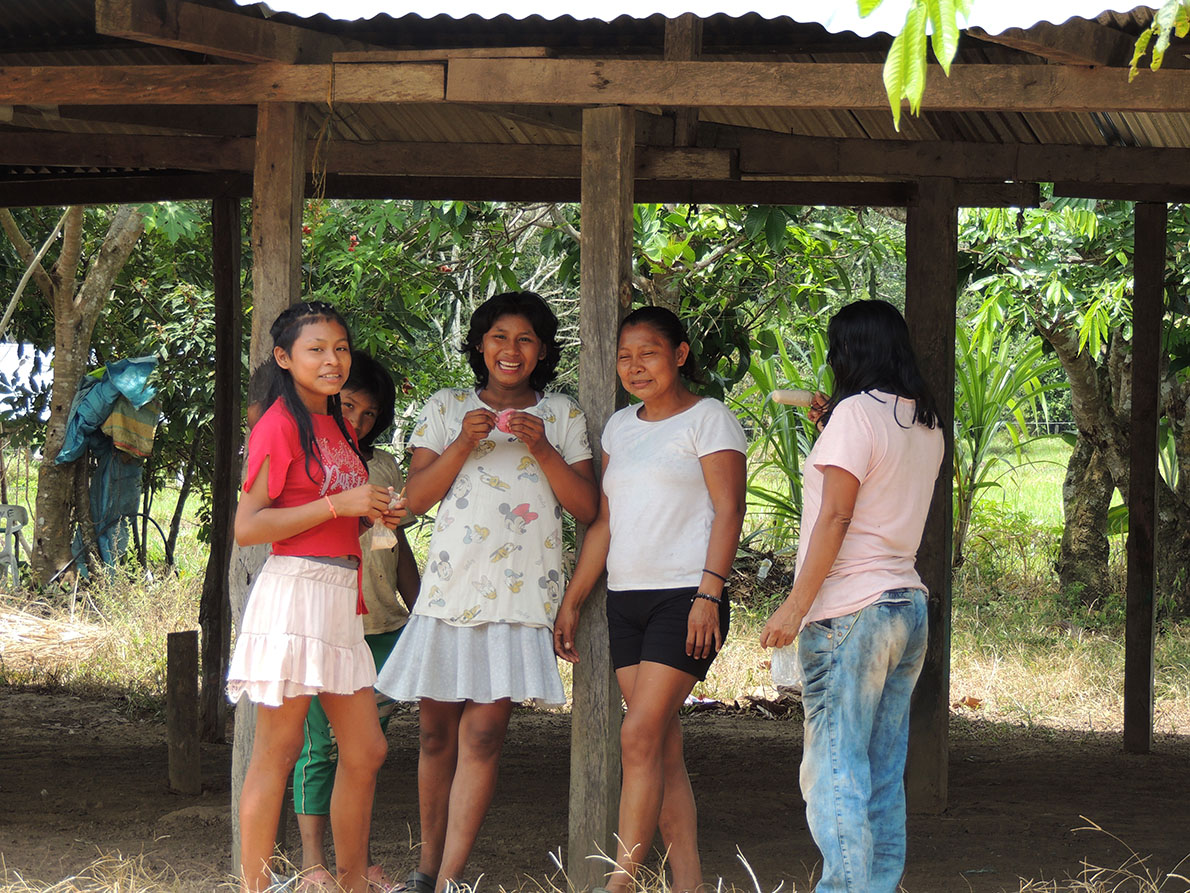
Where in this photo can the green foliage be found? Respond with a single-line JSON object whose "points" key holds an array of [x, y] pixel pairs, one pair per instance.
{"points": [[1173, 17], [905, 65]]}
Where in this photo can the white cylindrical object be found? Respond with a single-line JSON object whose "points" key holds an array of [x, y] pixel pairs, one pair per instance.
{"points": [[792, 397]]}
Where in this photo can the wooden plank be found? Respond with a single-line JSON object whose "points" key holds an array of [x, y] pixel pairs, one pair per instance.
{"points": [[1148, 310], [1128, 192], [181, 712], [605, 293], [809, 85], [997, 195], [1074, 42], [445, 53], [211, 120], [931, 288], [777, 154], [202, 29], [123, 189], [220, 84], [120, 150], [683, 43], [214, 613]]}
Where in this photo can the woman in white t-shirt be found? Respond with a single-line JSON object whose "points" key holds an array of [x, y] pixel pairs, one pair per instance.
{"points": [[857, 608], [667, 531]]}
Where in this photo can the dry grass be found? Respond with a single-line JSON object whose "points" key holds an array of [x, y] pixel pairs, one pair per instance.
{"points": [[114, 873]]}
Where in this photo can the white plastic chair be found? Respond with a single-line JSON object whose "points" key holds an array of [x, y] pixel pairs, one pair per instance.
{"points": [[12, 519]]}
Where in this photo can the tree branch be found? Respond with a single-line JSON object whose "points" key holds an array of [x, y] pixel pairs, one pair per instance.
{"points": [[66, 269], [45, 283]]}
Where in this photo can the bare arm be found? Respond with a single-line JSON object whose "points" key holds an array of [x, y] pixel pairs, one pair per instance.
{"points": [[724, 473], [258, 522], [592, 561], [408, 579], [431, 474], [839, 491]]}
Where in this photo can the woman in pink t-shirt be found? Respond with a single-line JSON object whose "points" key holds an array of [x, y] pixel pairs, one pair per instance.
{"points": [[857, 608]]}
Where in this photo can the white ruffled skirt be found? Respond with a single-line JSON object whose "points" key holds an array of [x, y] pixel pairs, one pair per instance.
{"points": [[300, 634], [434, 659]]}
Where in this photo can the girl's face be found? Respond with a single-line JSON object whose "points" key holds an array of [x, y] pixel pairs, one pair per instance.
{"points": [[359, 408], [511, 351], [319, 362], [647, 363]]}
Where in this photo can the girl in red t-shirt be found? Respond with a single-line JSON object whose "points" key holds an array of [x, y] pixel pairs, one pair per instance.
{"points": [[307, 493]]}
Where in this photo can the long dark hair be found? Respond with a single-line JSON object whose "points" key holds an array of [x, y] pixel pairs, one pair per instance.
{"points": [[533, 307], [285, 329], [665, 323], [869, 349], [368, 376]]}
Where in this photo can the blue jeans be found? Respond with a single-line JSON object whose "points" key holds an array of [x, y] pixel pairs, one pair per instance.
{"points": [[860, 670]]}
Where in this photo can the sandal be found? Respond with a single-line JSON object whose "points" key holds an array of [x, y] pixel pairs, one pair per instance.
{"points": [[378, 880], [316, 880]]}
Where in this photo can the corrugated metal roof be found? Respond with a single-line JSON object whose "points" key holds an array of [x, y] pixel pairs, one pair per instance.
{"points": [[837, 16]]}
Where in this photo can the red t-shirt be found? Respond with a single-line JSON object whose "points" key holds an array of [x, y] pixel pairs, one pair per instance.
{"points": [[275, 437]]}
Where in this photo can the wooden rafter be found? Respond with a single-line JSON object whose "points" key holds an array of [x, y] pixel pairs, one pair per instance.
{"points": [[833, 86], [1076, 42], [230, 35]]}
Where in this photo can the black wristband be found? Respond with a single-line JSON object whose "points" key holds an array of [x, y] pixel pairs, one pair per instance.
{"points": [[717, 599], [707, 570]]}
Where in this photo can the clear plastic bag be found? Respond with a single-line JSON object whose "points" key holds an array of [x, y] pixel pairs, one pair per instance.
{"points": [[785, 668]]}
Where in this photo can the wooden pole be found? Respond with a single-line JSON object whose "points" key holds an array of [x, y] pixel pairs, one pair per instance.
{"points": [[931, 286], [276, 283], [606, 292], [181, 712], [1148, 309], [214, 613]]}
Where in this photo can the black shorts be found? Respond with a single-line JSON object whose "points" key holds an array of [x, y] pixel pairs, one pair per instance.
{"points": [[652, 624]]}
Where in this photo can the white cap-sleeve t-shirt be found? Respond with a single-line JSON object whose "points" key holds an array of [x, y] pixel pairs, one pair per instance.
{"points": [[661, 511]]}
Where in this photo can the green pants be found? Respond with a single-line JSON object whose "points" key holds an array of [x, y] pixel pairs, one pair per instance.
{"points": [[314, 772]]}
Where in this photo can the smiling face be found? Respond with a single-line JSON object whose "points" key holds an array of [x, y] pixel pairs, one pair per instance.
{"points": [[359, 408], [647, 363], [511, 351], [319, 362]]}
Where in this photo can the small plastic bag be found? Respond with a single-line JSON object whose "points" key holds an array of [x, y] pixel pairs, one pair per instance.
{"points": [[382, 537], [785, 668]]}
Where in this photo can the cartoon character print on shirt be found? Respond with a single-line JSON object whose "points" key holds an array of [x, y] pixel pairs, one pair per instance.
{"points": [[504, 551], [514, 580], [493, 480], [467, 616], [551, 542], [552, 584], [476, 534], [519, 518], [444, 519], [528, 468], [483, 448], [485, 587], [441, 567], [435, 596], [343, 468], [460, 490]]}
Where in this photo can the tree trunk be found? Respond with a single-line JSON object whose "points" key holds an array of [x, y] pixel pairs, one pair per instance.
{"points": [[1086, 497], [175, 523], [75, 314]]}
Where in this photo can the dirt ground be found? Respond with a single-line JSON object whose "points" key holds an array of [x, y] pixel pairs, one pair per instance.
{"points": [[78, 779]]}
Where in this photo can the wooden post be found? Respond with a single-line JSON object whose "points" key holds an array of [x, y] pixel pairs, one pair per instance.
{"points": [[683, 43], [214, 615], [931, 286], [606, 291], [1148, 310], [181, 712], [277, 196]]}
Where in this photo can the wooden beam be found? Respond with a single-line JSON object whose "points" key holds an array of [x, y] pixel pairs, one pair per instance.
{"points": [[605, 294], [202, 29], [683, 43], [931, 289], [1126, 192], [211, 120], [1074, 42], [220, 84], [1148, 311], [809, 85], [443, 54], [794, 85], [181, 712], [40, 191], [777, 154]]}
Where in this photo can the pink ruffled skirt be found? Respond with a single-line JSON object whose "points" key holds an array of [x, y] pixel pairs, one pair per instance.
{"points": [[300, 634]]}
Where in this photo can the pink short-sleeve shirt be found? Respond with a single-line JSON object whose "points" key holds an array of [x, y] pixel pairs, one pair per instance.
{"points": [[873, 437]]}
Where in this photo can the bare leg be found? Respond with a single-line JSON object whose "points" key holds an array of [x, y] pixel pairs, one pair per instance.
{"points": [[362, 748], [480, 739], [275, 749], [650, 742], [436, 762], [312, 829]]}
